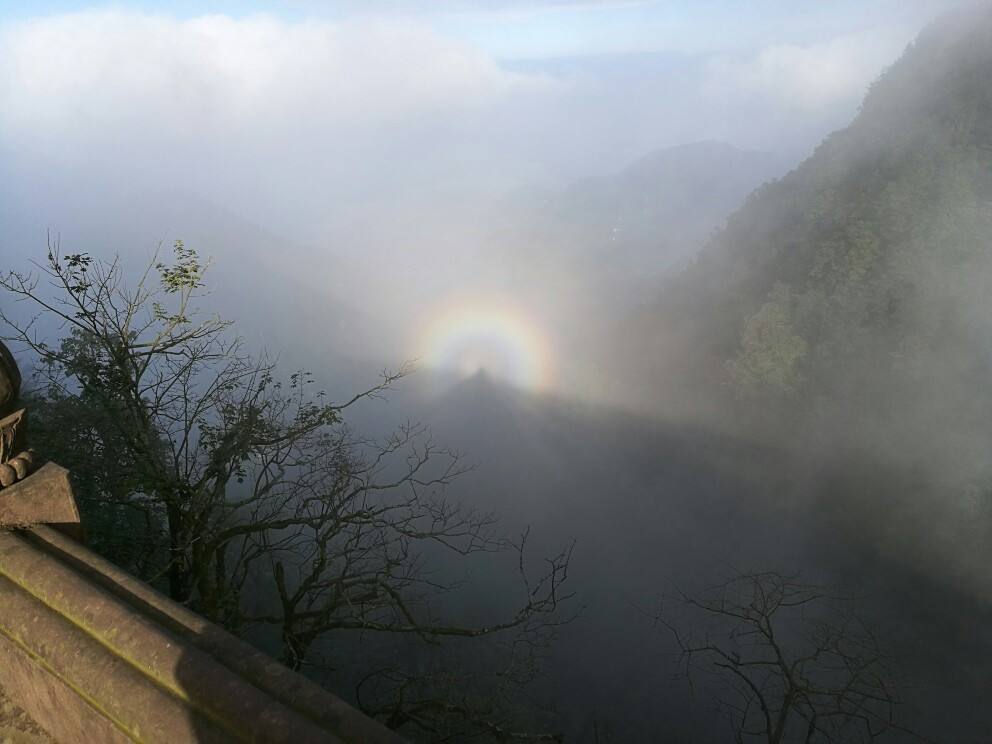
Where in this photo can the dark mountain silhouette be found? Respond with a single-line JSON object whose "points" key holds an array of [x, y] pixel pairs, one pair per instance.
{"points": [[653, 505]]}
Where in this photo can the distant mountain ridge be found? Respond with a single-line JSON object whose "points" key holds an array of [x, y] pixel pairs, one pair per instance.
{"points": [[660, 209], [588, 254]]}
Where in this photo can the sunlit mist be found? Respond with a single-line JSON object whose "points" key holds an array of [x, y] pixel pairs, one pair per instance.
{"points": [[467, 336]]}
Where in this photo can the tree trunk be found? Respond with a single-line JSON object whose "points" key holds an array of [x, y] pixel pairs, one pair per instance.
{"points": [[178, 575]]}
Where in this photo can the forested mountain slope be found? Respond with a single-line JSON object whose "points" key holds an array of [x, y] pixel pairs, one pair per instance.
{"points": [[860, 277]]}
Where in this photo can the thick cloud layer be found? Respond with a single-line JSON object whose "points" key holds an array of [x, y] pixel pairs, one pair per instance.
{"points": [[269, 107], [380, 152], [241, 111]]}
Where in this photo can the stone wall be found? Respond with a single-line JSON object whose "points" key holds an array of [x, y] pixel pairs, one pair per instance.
{"points": [[94, 655], [17, 727]]}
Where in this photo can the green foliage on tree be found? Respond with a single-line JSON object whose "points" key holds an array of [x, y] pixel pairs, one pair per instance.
{"points": [[244, 494], [771, 350]]}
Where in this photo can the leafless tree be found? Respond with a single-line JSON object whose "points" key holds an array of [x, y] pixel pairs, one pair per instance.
{"points": [[786, 661], [247, 494]]}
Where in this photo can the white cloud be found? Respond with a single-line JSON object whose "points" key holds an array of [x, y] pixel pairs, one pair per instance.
{"points": [[806, 77], [285, 122], [113, 73]]}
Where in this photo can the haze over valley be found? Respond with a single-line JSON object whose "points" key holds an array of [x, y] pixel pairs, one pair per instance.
{"points": [[692, 296]]}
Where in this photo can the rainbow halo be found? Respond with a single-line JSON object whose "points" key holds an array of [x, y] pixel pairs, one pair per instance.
{"points": [[494, 336]]}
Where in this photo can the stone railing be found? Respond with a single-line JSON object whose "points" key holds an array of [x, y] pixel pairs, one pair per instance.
{"points": [[93, 655]]}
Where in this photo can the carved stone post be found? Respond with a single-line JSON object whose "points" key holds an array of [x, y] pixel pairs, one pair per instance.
{"points": [[28, 494]]}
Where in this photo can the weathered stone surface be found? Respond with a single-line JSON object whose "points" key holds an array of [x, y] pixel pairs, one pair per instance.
{"points": [[13, 434], [17, 727], [44, 497], [52, 703], [83, 675], [261, 670], [20, 466], [93, 639]]}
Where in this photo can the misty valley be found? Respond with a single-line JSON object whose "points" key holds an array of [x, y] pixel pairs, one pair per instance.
{"points": [[467, 400]]}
